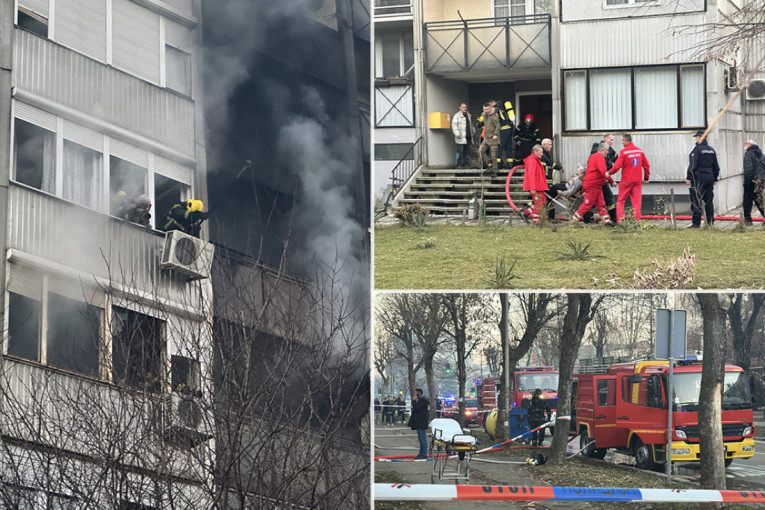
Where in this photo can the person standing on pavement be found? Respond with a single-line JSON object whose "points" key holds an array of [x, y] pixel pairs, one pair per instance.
{"points": [[419, 421], [701, 178], [464, 132], [400, 407], [608, 195], [752, 158], [636, 172], [539, 414], [594, 178], [534, 181]]}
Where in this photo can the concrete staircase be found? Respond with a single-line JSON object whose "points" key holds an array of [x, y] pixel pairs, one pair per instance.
{"points": [[447, 191]]}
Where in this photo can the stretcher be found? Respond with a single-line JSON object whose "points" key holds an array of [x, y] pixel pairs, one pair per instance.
{"points": [[452, 450]]}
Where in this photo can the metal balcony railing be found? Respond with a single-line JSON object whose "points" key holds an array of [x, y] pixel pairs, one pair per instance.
{"points": [[403, 171], [385, 8], [512, 42], [394, 102]]}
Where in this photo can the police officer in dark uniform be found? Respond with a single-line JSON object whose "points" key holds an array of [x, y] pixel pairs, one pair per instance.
{"points": [[539, 414], [702, 175]]}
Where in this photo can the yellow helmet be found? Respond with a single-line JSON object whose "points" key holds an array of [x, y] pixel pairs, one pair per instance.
{"points": [[194, 205]]}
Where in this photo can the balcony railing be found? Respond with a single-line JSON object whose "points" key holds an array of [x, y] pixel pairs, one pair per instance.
{"points": [[513, 42], [394, 102], [387, 8]]}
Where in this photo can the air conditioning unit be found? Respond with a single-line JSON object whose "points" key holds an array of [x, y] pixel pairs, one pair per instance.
{"points": [[756, 90], [183, 419], [187, 255], [730, 76]]}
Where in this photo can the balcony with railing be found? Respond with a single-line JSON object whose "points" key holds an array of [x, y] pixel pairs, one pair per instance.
{"points": [[490, 44], [393, 8]]}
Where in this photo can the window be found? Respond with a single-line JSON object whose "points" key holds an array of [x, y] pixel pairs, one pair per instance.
{"points": [[606, 392], [167, 192], [629, 2], [505, 8], [394, 55], [178, 70], [137, 350], [73, 334], [393, 151], [33, 22], [81, 176], [645, 98], [73, 337], [127, 177], [35, 161], [184, 374]]}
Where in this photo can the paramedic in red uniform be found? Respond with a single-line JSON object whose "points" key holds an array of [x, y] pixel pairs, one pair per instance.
{"points": [[594, 179], [636, 172], [535, 181]]}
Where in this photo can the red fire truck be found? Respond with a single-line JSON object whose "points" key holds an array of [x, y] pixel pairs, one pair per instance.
{"points": [[527, 379], [624, 406]]}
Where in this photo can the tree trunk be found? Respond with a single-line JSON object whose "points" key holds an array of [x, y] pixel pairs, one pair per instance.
{"points": [[431, 378], [499, 431], [710, 396], [579, 310], [743, 330]]}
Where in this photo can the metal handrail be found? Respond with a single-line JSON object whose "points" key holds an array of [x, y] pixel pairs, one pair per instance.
{"points": [[490, 22], [404, 170]]}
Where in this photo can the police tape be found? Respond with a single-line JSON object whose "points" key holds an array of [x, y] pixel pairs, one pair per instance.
{"points": [[424, 492]]}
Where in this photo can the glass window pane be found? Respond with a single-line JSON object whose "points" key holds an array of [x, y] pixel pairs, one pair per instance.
{"points": [[575, 83], [178, 70], [137, 350], [23, 326], [656, 97], [542, 7], [517, 7], [692, 95], [617, 2], [125, 177], [610, 99], [73, 334], [81, 175], [35, 151], [501, 8], [408, 54], [391, 51]]}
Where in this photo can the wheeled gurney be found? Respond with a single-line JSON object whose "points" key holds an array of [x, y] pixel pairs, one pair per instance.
{"points": [[452, 450]]}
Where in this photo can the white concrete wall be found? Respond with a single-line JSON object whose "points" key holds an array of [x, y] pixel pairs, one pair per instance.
{"points": [[578, 10]]}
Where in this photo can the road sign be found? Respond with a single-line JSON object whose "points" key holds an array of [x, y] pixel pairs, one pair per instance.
{"points": [[670, 322]]}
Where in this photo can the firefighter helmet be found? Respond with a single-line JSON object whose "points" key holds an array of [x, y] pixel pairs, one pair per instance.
{"points": [[529, 118], [194, 205]]}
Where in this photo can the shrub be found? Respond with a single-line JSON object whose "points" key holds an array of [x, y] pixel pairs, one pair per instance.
{"points": [[676, 275], [412, 215]]}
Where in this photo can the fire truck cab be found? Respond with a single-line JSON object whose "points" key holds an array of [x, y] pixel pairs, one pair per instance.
{"points": [[625, 407]]}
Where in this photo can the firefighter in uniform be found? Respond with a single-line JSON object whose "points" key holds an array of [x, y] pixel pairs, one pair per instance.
{"points": [[506, 116], [701, 178], [539, 414], [534, 181], [526, 137], [187, 217], [491, 138]]}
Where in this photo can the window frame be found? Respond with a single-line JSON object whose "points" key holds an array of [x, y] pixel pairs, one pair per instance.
{"points": [[588, 107], [379, 66], [169, 50]]}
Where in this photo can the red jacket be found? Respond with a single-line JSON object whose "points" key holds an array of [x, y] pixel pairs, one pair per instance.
{"points": [[595, 176], [534, 178], [633, 161]]}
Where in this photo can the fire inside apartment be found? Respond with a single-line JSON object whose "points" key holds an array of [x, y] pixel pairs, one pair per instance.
{"points": [[582, 68], [107, 385]]}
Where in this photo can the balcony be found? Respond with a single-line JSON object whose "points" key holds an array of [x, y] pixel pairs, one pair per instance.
{"points": [[393, 8], [517, 43]]}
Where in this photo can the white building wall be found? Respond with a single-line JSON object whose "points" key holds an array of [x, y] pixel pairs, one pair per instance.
{"points": [[581, 10], [443, 95]]}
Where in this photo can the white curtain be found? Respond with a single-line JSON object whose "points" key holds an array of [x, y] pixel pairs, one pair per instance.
{"points": [[692, 93], [575, 83], [49, 163], [610, 99], [656, 97], [81, 175]]}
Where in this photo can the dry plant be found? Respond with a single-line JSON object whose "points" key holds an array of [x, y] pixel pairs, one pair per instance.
{"points": [[676, 275]]}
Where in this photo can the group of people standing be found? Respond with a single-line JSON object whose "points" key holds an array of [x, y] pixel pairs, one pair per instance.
{"points": [[392, 410], [505, 143]]}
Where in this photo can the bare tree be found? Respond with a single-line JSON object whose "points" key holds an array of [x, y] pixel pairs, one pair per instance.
{"points": [[397, 314], [743, 314], [534, 312], [713, 310], [468, 320], [385, 353], [580, 309]]}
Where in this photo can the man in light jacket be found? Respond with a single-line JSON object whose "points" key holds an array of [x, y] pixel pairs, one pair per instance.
{"points": [[464, 132]]}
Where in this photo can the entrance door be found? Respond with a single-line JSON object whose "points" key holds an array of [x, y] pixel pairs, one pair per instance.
{"points": [[540, 106], [605, 411]]}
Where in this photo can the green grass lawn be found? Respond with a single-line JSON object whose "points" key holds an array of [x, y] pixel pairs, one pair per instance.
{"points": [[465, 257]]}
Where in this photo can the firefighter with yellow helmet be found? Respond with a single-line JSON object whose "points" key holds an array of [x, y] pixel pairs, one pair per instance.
{"points": [[187, 217]]}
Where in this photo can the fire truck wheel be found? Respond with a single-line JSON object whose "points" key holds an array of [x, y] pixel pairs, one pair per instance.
{"points": [[587, 451], [643, 455]]}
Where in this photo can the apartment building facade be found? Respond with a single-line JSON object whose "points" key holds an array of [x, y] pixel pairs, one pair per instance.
{"points": [[582, 69], [107, 347]]}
